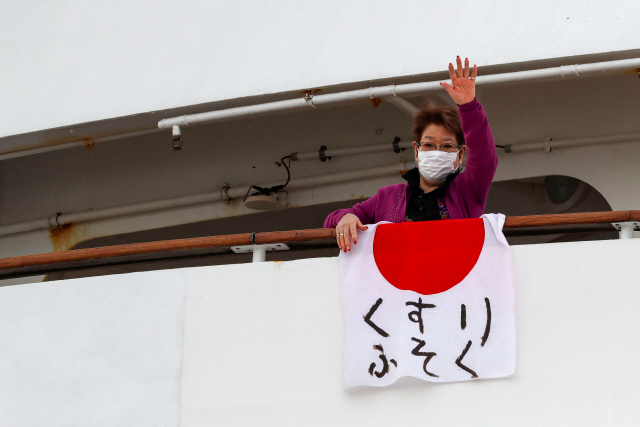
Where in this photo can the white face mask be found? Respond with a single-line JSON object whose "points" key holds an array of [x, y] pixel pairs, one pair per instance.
{"points": [[436, 165]]}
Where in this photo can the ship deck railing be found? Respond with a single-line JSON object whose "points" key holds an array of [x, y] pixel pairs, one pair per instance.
{"points": [[296, 240]]}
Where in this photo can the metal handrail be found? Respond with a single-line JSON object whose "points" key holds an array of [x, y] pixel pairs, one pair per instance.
{"points": [[205, 246]]}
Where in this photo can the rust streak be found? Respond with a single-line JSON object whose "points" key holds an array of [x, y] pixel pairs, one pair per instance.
{"points": [[63, 237], [310, 91], [375, 102]]}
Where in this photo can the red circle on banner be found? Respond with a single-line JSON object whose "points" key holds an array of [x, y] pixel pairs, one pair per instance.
{"points": [[428, 257]]}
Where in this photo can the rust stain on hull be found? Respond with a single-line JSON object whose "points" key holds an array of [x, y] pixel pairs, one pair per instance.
{"points": [[64, 237]]}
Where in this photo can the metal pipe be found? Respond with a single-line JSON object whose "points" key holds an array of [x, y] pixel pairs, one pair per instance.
{"points": [[550, 145], [87, 142], [411, 89], [58, 220], [508, 148], [235, 113], [39, 150], [403, 104], [314, 155]]}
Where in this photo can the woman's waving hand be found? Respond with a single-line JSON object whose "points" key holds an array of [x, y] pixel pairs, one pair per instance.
{"points": [[463, 86]]}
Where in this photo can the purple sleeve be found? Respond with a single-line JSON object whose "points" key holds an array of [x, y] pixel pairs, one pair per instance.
{"points": [[482, 160], [365, 211]]}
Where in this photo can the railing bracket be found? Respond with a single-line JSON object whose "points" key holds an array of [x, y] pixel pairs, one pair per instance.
{"points": [[626, 229], [259, 251]]}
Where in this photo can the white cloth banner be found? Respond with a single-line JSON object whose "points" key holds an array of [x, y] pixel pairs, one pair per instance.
{"points": [[432, 300]]}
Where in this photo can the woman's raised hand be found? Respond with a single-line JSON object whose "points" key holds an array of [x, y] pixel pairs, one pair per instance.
{"points": [[346, 229], [463, 86]]}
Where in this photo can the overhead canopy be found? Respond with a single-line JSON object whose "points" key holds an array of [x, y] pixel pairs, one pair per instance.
{"points": [[68, 63]]}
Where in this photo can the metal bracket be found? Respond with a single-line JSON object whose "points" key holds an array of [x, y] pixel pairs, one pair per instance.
{"points": [[224, 194], [177, 138], [396, 146], [547, 145], [89, 143], [53, 220], [259, 251], [323, 158], [626, 229], [245, 249], [308, 99]]}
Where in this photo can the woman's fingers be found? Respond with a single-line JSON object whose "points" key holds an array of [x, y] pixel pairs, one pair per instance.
{"points": [[347, 230], [347, 239], [340, 230], [462, 87], [354, 236], [343, 238], [361, 227]]}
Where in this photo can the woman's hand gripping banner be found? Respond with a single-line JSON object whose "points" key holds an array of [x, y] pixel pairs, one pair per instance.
{"points": [[433, 300]]}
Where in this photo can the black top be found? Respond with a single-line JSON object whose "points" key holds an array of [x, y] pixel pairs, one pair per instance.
{"points": [[423, 206]]}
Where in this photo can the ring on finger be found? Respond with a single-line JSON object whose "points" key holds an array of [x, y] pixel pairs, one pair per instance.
{"points": [[342, 234]]}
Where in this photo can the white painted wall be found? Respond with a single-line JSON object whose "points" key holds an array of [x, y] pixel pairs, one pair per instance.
{"points": [[101, 351], [262, 345], [69, 61]]}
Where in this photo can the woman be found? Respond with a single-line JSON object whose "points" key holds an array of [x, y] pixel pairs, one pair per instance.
{"points": [[435, 189]]}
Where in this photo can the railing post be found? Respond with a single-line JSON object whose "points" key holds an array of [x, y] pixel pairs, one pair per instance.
{"points": [[259, 251], [626, 229]]}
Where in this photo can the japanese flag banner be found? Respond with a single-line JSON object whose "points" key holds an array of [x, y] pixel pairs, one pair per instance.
{"points": [[432, 300]]}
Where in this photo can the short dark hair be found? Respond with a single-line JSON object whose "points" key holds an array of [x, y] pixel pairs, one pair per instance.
{"points": [[443, 116]]}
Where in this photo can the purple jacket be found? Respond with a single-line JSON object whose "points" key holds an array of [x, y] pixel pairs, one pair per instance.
{"points": [[465, 196]]}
